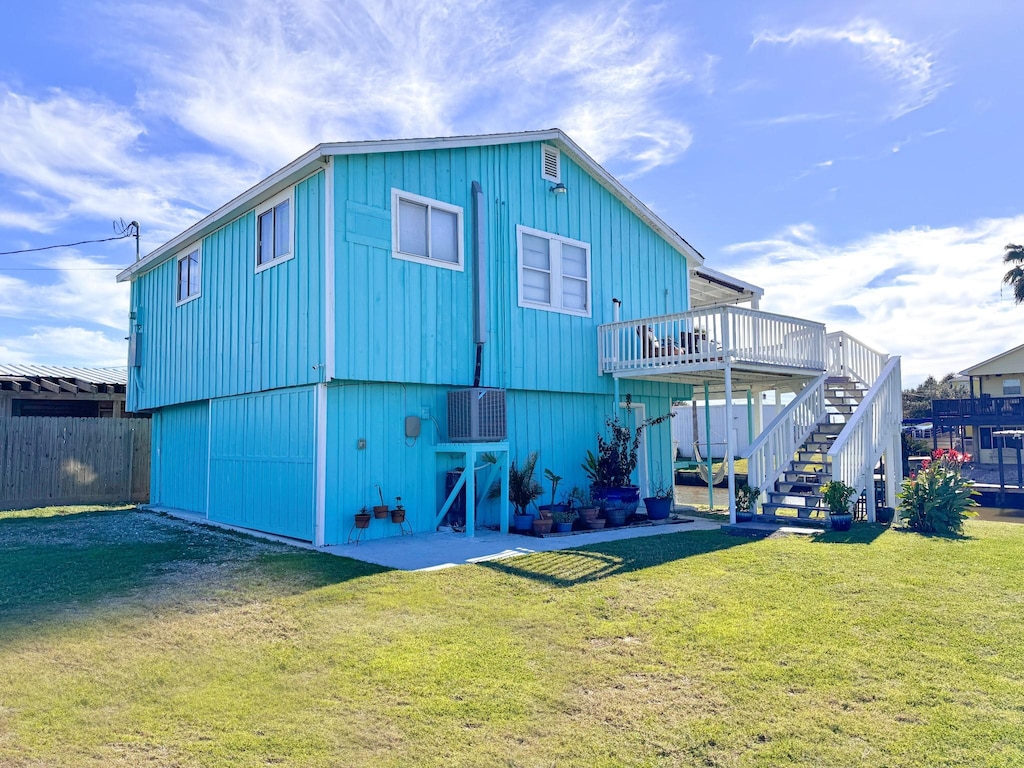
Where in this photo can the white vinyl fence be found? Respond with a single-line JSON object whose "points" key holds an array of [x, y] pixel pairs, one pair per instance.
{"points": [[682, 427]]}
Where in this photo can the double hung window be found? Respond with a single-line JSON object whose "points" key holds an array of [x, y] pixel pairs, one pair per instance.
{"points": [[274, 232], [188, 285], [426, 230], [554, 272]]}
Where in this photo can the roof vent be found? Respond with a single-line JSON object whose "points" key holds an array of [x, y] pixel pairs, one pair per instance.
{"points": [[550, 163]]}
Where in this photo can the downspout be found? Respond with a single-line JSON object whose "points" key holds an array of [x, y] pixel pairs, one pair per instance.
{"points": [[479, 279], [616, 304]]}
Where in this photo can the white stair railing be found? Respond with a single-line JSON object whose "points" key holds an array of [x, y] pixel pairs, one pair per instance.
{"points": [[857, 449], [771, 453], [852, 358]]}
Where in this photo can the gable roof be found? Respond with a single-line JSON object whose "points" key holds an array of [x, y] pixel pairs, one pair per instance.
{"points": [[1010, 361], [321, 153]]}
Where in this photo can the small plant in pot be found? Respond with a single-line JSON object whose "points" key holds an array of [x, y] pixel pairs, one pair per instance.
{"points": [[363, 518], [380, 511], [611, 470], [548, 510], [659, 503], [398, 513], [523, 490], [583, 506], [746, 501], [563, 519], [837, 495]]}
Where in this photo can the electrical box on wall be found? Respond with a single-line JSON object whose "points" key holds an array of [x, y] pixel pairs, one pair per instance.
{"points": [[133, 350], [412, 426]]}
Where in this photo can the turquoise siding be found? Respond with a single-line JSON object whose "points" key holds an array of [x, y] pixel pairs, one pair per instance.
{"points": [[247, 331], [562, 427], [261, 458], [383, 301], [180, 457]]}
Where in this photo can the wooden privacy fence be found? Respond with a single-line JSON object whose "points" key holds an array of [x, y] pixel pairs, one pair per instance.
{"points": [[46, 461]]}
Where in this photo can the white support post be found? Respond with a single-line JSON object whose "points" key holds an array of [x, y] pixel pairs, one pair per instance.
{"points": [[870, 496], [893, 470], [730, 443], [504, 503]]}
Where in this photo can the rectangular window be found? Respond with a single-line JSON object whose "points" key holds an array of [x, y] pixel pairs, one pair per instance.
{"points": [[188, 276], [986, 437], [1011, 387], [274, 232], [426, 230], [554, 272]]}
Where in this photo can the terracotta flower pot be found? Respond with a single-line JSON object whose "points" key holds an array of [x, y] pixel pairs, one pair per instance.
{"points": [[542, 525], [596, 524], [381, 511], [397, 515], [363, 520]]}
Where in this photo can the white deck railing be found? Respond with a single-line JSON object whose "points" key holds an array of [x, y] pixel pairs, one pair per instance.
{"points": [[857, 449], [771, 453], [710, 338], [849, 357]]}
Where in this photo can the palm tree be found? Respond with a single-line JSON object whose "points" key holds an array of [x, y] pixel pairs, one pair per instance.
{"points": [[1015, 277]]}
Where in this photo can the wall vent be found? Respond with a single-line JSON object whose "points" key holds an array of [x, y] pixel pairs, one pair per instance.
{"points": [[477, 415], [550, 163]]}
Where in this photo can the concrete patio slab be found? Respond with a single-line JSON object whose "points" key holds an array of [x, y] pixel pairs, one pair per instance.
{"points": [[432, 551]]}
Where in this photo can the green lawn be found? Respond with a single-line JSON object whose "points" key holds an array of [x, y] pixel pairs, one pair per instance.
{"points": [[127, 638]]}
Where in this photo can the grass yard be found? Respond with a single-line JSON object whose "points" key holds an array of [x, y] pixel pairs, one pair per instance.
{"points": [[128, 638]]}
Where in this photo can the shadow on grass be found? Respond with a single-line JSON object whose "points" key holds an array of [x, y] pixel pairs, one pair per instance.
{"points": [[860, 533], [568, 567], [94, 562]]}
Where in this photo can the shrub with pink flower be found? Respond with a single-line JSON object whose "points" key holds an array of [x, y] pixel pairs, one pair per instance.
{"points": [[938, 499]]}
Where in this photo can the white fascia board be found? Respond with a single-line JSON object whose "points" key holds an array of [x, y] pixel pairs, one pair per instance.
{"points": [[270, 186], [301, 168], [734, 282]]}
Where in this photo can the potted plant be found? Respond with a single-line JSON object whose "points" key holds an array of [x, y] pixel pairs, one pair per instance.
{"points": [[659, 503], [885, 515], [523, 490], [611, 470], [363, 518], [547, 510], [583, 505], [398, 513], [837, 495], [563, 519], [380, 511], [746, 501]]}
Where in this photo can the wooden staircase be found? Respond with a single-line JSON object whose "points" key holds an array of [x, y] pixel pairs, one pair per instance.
{"points": [[797, 493]]}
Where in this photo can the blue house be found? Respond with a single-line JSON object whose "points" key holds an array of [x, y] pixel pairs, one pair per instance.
{"points": [[297, 347]]}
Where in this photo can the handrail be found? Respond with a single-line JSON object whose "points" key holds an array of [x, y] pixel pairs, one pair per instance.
{"points": [[711, 337], [850, 357], [771, 453], [858, 447]]}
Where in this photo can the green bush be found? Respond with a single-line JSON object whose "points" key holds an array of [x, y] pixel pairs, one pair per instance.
{"points": [[938, 499]]}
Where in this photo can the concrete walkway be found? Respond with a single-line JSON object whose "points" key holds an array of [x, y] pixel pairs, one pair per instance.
{"points": [[431, 551]]}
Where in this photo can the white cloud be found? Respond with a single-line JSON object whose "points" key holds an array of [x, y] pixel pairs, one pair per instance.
{"points": [[910, 65], [83, 291], [298, 72], [69, 345], [933, 296], [82, 157]]}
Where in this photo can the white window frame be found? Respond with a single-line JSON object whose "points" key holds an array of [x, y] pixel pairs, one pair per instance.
{"points": [[262, 209], [556, 178], [197, 249], [1017, 387], [555, 251], [398, 195]]}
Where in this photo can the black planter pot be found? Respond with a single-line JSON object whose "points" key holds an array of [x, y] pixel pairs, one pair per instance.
{"points": [[885, 515]]}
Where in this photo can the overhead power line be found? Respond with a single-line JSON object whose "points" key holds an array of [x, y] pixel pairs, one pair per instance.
{"points": [[127, 230]]}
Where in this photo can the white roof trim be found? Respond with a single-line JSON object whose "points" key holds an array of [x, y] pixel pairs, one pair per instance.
{"points": [[301, 167]]}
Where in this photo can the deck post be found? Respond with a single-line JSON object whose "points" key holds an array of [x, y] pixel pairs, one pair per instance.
{"points": [[750, 415], [707, 446], [730, 443]]}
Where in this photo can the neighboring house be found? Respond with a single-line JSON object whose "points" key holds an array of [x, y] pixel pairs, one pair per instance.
{"points": [[297, 346], [995, 404], [50, 390]]}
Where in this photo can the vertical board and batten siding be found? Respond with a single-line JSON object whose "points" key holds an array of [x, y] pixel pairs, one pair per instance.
{"points": [[181, 456], [406, 321], [562, 427], [46, 461], [261, 461], [247, 331]]}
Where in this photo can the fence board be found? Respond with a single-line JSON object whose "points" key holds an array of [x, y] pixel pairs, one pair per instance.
{"points": [[46, 461]]}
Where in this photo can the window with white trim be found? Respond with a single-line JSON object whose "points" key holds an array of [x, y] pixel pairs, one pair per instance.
{"points": [[1011, 387], [274, 232], [188, 285], [554, 272], [426, 230]]}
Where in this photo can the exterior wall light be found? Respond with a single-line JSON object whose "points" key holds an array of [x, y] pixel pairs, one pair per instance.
{"points": [[559, 188]]}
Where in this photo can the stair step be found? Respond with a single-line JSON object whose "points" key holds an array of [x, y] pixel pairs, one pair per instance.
{"points": [[794, 500], [817, 522], [799, 486]]}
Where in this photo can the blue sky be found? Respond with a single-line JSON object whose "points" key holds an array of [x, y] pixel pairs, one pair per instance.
{"points": [[859, 160]]}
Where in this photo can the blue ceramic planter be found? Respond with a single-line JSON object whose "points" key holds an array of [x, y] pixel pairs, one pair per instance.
{"points": [[523, 523], [617, 504], [658, 509]]}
